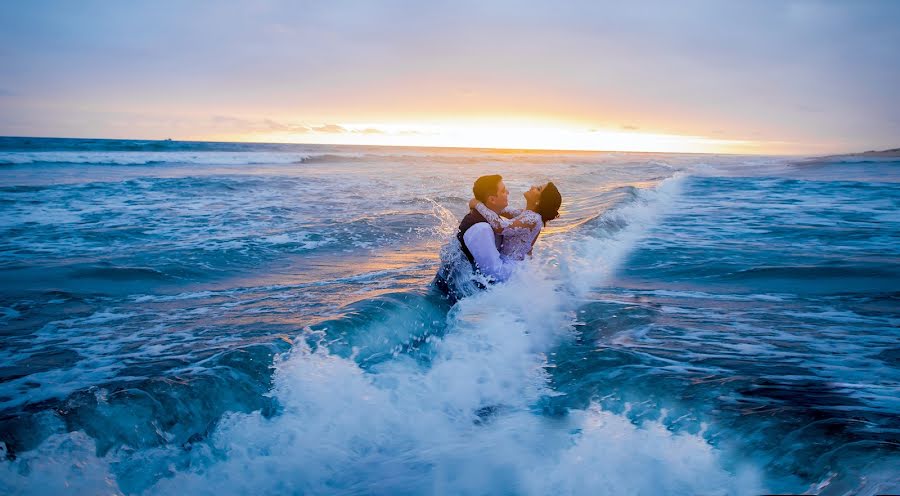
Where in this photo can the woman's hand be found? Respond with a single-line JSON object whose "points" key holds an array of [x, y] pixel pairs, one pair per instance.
{"points": [[473, 203]]}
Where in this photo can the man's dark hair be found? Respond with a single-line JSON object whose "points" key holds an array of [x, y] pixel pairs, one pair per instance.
{"points": [[486, 186]]}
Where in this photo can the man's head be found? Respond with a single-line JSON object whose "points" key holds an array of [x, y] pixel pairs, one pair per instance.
{"points": [[491, 191]]}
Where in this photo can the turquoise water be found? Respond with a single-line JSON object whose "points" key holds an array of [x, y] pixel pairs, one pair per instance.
{"points": [[238, 318]]}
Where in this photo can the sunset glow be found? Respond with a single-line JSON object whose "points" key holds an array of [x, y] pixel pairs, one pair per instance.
{"points": [[534, 136]]}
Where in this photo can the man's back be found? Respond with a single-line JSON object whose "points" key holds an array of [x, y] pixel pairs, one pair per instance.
{"points": [[479, 244], [472, 218]]}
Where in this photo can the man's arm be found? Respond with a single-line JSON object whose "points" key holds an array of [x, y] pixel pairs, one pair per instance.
{"points": [[479, 240]]}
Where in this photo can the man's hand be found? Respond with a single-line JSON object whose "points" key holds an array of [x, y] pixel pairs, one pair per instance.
{"points": [[473, 203]]}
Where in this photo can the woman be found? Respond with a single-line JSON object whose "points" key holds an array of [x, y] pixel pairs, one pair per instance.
{"points": [[522, 228]]}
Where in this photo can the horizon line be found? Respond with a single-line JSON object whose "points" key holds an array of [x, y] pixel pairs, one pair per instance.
{"points": [[497, 149]]}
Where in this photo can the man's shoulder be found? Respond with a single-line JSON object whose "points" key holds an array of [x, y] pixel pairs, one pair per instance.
{"points": [[479, 229], [473, 217], [482, 226]]}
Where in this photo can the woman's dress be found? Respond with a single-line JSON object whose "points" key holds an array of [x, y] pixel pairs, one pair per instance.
{"points": [[518, 233]]}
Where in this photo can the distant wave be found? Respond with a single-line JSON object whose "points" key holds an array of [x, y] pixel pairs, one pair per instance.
{"points": [[120, 273], [813, 272], [155, 153], [155, 158]]}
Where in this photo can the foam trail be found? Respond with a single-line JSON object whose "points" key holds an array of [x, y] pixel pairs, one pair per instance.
{"points": [[464, 423], [593, 255]]}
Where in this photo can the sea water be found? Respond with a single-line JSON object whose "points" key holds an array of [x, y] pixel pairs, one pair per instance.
{"points": [[222, 318]]}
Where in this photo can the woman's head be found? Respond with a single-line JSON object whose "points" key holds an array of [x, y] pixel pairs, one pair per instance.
{"points": [[547, 200]]}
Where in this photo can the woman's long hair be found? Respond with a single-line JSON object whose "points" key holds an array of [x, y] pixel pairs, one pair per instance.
{"points": [[548, 205]]}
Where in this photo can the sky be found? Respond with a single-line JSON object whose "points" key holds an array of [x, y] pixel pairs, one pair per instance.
{"points": [[765, 76]]}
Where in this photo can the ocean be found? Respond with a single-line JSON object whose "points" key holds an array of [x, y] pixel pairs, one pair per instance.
{"points": [[231, 318]]}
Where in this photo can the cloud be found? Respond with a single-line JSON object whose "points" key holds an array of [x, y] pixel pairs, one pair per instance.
{"points": [[329, 128], [227, 120], [240, 124], [291, 128], [629, 127]]}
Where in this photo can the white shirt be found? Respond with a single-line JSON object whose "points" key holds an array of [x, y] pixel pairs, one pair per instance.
{"points": [[482, 245]]}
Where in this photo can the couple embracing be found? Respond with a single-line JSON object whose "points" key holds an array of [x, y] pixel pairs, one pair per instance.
{"points": [[495, 238]]}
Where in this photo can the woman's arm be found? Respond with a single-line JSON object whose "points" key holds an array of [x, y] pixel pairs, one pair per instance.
{"points": [[507, 212], [497, 223], [510, 212]]}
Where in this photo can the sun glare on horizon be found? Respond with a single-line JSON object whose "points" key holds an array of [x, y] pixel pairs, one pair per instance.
{"points": [[503, 135]]}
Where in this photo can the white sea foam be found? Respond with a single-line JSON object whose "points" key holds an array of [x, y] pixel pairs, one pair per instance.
{"points": [[592, 257], [65, 464]]}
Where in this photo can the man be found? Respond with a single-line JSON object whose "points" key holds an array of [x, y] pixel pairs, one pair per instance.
{"points": [[478, 243], [477, 239]]}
